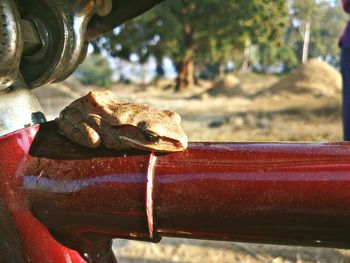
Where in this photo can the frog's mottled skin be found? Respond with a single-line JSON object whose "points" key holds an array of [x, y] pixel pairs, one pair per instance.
{"points": [[101, 118]]}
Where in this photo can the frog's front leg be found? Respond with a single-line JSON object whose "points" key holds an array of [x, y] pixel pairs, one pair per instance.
{"points": [[108, 134], [73, 125]]}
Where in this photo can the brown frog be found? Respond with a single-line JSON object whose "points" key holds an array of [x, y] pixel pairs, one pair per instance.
{"points": [[101, 118]]}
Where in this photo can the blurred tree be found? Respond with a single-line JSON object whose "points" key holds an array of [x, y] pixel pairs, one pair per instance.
{"points": [[329, 22], [94, 71], [303, 12], [268, 56], [326, 22], [201, 31], [287, 56], [282, 57]]}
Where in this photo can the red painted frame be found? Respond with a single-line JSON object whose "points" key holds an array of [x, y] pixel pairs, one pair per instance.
{"points": [[58, 198]]}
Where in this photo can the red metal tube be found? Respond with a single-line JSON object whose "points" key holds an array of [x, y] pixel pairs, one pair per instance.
{"points": [[259, 192], [274, 193], [255, 192]]}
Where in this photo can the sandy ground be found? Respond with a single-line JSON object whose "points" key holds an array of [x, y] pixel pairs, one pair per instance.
{"points": [[272, 117]]}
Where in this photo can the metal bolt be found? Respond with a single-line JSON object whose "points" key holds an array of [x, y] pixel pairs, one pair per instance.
{"points": [[31, 38]]}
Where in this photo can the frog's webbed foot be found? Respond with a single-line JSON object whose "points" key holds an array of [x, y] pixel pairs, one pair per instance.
{"points": [[73, 125]]}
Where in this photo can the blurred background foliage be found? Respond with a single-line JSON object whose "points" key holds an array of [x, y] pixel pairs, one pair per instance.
{"points": [[206, 38], [95, 71]]}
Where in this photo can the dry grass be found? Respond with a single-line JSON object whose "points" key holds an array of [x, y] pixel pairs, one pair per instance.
{"points": [[195, 251]]}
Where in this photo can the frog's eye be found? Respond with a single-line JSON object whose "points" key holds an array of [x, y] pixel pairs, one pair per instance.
{"points": [[150, 136]]}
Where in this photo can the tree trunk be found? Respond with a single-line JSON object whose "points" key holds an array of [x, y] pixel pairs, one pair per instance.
{"points": [[306, 41], [247, 60], [222, 68], [185, 78], [185, 67]]}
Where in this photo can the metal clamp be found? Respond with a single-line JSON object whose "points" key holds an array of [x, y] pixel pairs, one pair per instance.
{"points": [[62, 31], [45, 41]]}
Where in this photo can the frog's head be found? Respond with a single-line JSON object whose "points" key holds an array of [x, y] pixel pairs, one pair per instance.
{"points": [[152, 129], [139, 126]]}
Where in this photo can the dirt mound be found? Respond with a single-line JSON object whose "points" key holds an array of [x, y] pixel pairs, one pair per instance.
{"points": [[227, 86], [314, 77]]}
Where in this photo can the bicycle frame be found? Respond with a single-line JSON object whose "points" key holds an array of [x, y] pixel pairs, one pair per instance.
{"points": [[61, 202]]}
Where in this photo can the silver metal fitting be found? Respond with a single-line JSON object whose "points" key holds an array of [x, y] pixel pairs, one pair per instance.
{"points": [[61, 28], [19, 108], [11, 43]]}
